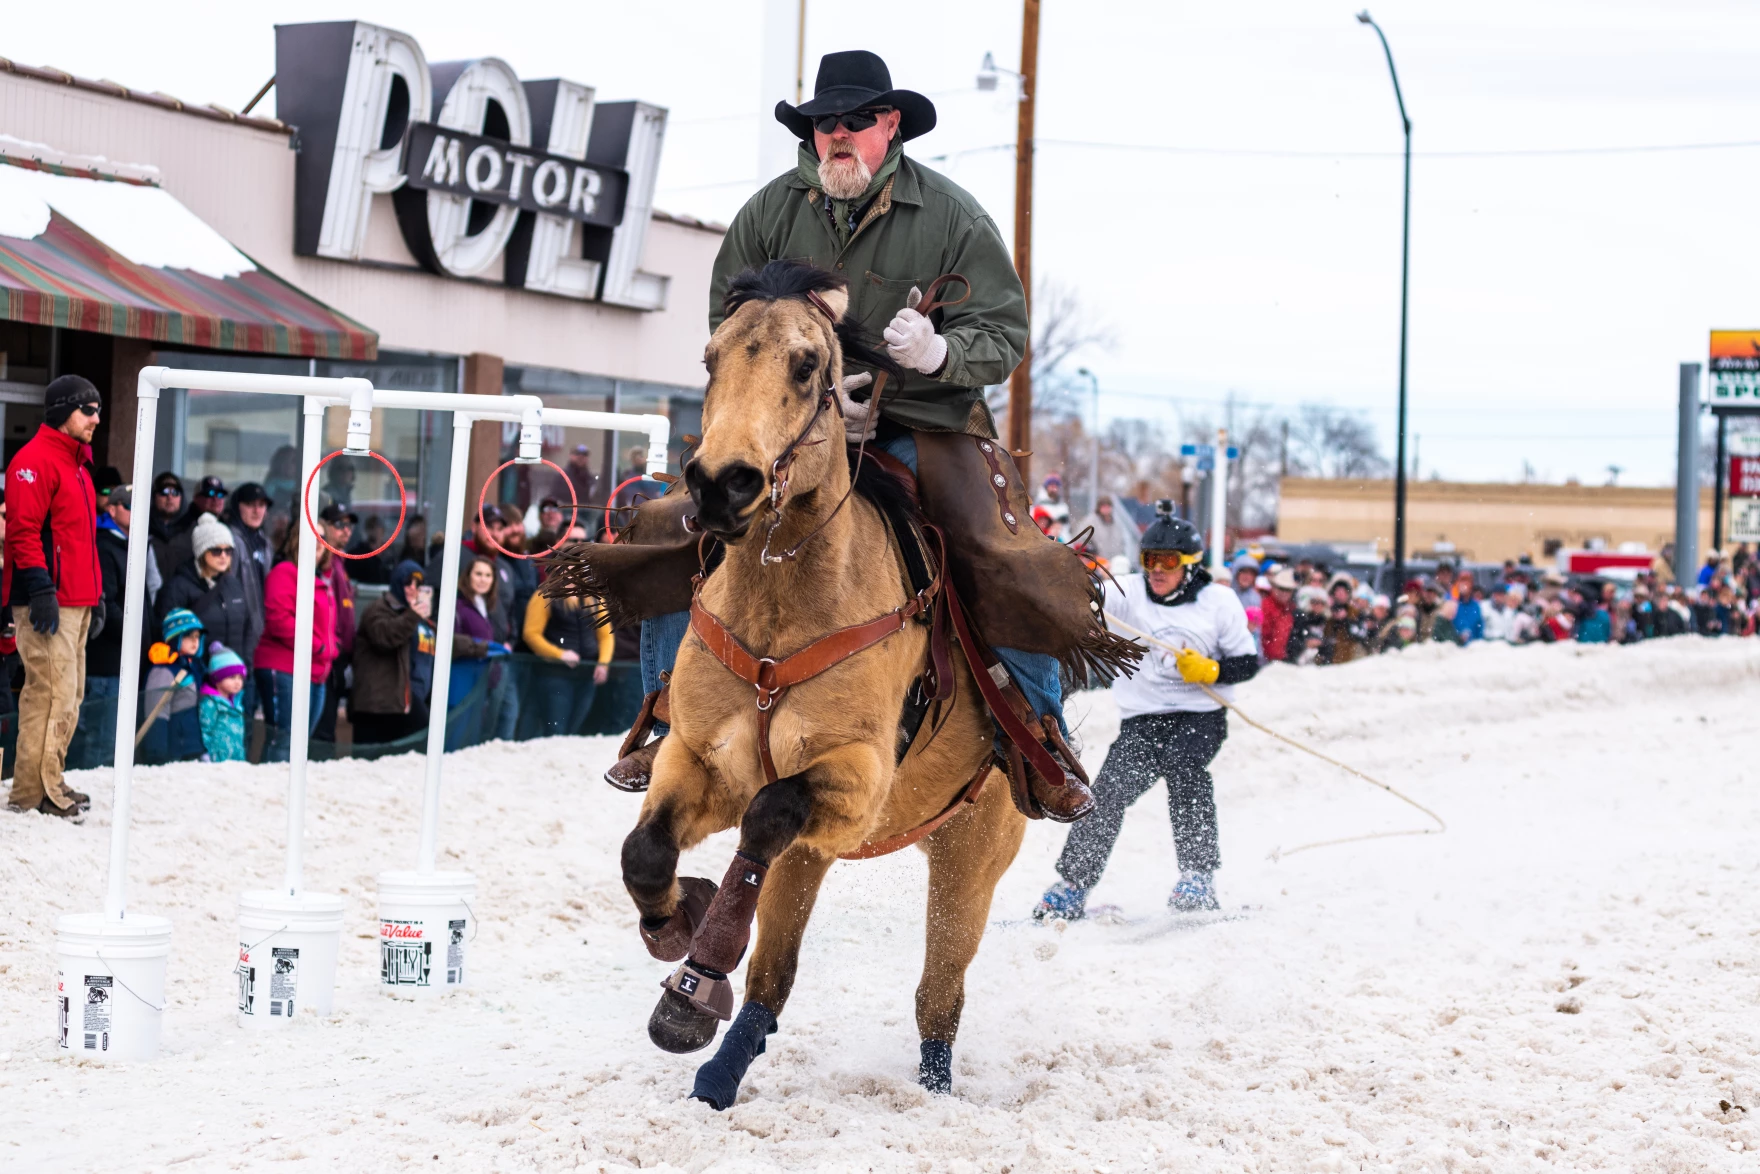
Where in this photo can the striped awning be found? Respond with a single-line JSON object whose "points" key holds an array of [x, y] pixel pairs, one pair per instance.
{"points": [[117, 256]]}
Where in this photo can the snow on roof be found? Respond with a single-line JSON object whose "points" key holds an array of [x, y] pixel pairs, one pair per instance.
{"points": [[143, 223]]}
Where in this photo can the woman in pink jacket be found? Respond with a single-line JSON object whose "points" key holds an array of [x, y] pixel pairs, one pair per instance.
{"points": [[274, 662]]}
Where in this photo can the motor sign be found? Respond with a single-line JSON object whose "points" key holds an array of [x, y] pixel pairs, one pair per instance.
{"points": [[1744, 476]]}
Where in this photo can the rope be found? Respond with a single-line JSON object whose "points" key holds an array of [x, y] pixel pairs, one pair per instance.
{"points": [[1277, 854]]}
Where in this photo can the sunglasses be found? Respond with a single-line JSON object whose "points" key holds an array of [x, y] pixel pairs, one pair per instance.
{"points": [[1166, 560], [90, 409], [221, 550], [854, 121], [169, 491]]}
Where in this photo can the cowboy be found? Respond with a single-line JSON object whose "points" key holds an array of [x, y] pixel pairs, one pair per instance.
{"points": [[856, 205]]}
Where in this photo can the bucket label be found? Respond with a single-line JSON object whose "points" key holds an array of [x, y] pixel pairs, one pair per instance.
{"points": [[61, 1011], [99, 988], [247, 981], [455, 953], [405, 958], [284, 981]]}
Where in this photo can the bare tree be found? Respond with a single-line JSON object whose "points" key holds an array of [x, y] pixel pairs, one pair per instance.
{"points": [[1063, 327], [1325, 441]]}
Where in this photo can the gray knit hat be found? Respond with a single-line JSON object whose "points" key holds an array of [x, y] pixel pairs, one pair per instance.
{"points": [[209, 533]]}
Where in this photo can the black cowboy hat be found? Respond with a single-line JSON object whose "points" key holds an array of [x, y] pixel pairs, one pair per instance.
{"points": [[850, 81]]}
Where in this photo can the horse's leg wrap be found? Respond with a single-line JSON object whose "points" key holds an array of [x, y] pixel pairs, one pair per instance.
{"points": [[719, 1078], [935, 1070], [669, 938], [721, 940]]}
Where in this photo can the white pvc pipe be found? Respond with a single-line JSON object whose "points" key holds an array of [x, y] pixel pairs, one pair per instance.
{"points": [[445, 624], [304, 605], [134, 591], [658, 429], [356, 394], [1219, 506]]}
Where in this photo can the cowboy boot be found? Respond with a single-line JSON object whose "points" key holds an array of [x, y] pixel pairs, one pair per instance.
{"points": [[1069, 798], [634, 768]]}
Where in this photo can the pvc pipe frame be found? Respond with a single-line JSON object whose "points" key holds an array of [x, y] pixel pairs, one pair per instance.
{"points": [[360, 397]]}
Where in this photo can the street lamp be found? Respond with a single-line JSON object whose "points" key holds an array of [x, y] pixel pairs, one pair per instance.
{"points": [[1405, 255], [1094, 468]]}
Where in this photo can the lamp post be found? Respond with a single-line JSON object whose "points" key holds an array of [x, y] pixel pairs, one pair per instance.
{"points": [[1405, 255], [1094, 467]]}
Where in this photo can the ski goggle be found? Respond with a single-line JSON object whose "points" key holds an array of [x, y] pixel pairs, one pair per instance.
{"points": [[855, 120], [1167, 560]]}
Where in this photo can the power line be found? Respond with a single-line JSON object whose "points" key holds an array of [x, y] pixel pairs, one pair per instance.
{"points": [[1274, 153]]}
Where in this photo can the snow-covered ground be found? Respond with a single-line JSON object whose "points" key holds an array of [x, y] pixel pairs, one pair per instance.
{"points": [[1568, 979]]}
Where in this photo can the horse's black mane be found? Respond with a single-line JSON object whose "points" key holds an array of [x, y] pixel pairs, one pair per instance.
{"points": [[778, 281]]}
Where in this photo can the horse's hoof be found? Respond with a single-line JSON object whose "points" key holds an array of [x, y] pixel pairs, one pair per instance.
{"points": [[935, 1071], [679, 1025]]}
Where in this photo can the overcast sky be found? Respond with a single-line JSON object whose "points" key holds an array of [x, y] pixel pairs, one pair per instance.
{"points": [[1221, 182]]}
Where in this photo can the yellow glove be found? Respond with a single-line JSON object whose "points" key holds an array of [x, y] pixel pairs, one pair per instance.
{"points": [[161, 653], [1196, 667]]}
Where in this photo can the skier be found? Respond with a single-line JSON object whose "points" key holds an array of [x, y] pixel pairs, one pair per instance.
{"points": [[1170, 727]]}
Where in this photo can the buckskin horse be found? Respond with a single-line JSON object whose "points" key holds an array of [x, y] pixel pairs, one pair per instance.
{"points": [[800, 704]]}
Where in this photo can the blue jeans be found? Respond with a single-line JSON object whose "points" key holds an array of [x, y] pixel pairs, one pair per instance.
{"points": [[276, 690], [1035, 672], [564, 696], [94, 739]]}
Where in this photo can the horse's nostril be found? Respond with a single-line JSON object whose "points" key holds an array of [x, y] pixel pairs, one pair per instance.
{"points": [[741, 484]]}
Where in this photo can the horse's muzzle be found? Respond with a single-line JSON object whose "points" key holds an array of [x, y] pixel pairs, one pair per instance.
{"points": [[723, 499]]}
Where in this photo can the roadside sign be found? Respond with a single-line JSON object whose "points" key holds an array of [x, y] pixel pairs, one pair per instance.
{"points": [[1744, 519], [1745, 444], [1206, 452], [1744, 476], [1735, 367]]}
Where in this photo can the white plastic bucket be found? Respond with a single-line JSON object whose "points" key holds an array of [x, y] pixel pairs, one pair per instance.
{"points": [[110, 985], [425, 928], [286, 955]]}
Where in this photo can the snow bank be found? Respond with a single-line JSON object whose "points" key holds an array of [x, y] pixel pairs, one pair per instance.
{"points": [[1569, 979]]}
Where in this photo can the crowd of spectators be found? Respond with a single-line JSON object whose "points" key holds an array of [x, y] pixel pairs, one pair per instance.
{"points": [[217, 649]]}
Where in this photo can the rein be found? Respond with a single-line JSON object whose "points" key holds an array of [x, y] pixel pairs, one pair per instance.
{"points": [[779, 467]]}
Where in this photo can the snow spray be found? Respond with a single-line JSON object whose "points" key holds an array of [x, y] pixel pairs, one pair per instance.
{"points": [[110, 985], [287, 947], [425, 928]]}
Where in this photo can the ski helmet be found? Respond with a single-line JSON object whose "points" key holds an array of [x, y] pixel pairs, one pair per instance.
{"points": [[1168, 532]]}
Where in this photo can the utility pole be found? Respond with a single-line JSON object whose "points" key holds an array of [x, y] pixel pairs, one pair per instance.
{"points": [[1405, 255], [800, 55], [1686, 479], [1219, 507], [1020, 384]]}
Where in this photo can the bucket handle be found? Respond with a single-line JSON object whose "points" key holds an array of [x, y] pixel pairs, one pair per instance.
{"points": [[125, 985], [475, 924]]}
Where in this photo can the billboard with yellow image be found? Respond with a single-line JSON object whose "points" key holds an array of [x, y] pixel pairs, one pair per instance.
{"points": [[1735, 366]]}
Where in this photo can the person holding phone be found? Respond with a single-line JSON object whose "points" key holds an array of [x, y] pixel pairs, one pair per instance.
{"points": [[394, 660], [566, 633]]}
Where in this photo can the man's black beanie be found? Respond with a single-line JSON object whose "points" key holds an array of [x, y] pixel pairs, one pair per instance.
{"points": [[65, 393]]}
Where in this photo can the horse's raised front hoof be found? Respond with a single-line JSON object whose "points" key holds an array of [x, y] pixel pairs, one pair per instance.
{"points": [[935, 1071], [679, 1025], [718, 1080], [670, 940]]}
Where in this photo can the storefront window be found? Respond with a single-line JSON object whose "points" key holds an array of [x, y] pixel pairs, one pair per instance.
{"points": [[608, 458]]}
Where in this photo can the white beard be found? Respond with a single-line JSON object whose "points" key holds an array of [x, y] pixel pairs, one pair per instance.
{"points": [[845, 177]]}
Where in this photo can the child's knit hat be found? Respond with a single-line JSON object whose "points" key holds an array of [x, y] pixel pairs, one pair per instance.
{"points": [[223, 663]]}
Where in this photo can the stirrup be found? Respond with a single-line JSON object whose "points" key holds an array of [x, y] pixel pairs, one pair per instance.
{"points": [[635, 758]]}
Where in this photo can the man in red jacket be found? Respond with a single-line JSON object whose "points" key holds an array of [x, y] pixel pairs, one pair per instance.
{"points": [[53, 584]]}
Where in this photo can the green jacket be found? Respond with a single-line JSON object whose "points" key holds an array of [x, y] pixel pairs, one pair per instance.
{"points": [[920, 226]]}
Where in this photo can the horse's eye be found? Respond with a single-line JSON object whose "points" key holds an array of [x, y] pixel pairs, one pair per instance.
{"points": [[805, 371]]}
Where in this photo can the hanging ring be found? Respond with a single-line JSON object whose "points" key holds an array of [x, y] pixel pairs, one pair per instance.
{"points": [[483, 494], [402, 505]]}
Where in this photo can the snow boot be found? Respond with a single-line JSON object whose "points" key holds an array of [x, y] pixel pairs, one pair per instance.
{"points": [[1193, 893], [1062, 902]]}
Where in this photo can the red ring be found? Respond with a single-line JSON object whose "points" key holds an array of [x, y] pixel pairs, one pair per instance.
{"points": [[402, 506], [618, 490], [483, 493]]}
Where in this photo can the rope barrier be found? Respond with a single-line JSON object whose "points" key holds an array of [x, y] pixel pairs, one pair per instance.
{"points": [[1278, 854]]}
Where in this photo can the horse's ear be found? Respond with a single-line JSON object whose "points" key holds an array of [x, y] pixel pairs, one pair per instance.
{"points": [[837, 300]]}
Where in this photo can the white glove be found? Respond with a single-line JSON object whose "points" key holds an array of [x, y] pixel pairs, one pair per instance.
{"points": [[856, 425], [911, 339]]}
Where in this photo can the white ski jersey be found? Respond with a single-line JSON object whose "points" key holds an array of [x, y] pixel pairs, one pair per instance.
{"points": [[1214, 624]]}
